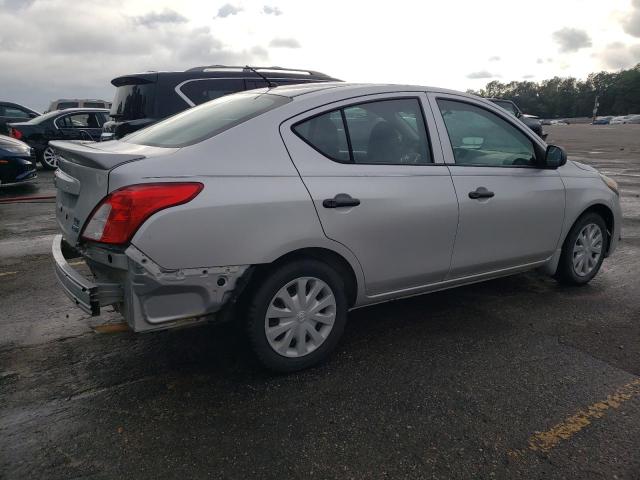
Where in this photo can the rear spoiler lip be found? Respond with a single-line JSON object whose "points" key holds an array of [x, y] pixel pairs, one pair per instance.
{"points": [[88, 156]]}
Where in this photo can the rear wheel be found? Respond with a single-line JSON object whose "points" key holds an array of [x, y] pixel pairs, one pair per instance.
{"points": [[296, 315], [583, 250], [49, 159]]}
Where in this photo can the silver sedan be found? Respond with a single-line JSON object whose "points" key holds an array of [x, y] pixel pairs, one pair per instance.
{"points": [[284, 208]]}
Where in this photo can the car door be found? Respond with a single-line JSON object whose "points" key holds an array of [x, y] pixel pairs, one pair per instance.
{"points": [[379, 186], [511, 207]]}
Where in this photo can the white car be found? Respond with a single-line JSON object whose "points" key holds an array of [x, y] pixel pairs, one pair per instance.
{"points": [[619, 120], [289, 206]]}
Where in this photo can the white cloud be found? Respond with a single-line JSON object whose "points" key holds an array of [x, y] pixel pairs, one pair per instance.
{"points": [[49, 54], [48, 50], [272, 10], [617, 55], [284, 43], [153, 19], [571, 39], [228, 10], [481, 74]]}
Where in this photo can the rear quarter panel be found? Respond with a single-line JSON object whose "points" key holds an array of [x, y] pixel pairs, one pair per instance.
{"points": [[253, 209]]}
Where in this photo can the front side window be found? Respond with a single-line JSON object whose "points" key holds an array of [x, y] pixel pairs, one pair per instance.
{"points": [[207, 120], [388, 132], [201, 91], [481, 138]]}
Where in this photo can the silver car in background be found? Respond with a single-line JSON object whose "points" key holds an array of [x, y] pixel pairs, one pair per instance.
{"points": [[284, 208]]}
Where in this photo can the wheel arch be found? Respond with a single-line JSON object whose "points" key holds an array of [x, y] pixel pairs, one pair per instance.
{"points": [[325, 255], [605, 212]]}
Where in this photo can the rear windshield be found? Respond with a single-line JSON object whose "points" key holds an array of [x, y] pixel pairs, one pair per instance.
{"points": [[206, 120], [133, 102]]}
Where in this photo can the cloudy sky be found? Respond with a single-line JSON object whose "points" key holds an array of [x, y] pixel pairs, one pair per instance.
{"points": [[68, 48]]}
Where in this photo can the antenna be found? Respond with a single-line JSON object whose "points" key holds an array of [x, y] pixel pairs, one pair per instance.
{"points": [[269, 82]]}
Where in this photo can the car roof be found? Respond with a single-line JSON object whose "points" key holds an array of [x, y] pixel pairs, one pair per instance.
{"points": [[79, 100], [322, 88], [222, 71], [14, 104]]}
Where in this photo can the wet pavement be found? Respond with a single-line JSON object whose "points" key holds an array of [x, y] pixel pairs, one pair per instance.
{"points": [[514, 378]]}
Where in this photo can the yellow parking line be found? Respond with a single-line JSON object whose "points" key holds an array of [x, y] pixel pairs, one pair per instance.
{"points": [[545, 441], [81, 262], [111, 328], [3, 274]]}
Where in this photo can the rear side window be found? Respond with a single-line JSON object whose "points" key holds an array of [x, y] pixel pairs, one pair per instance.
{"points": [[201, 91], [207, 120], [326, 134], [390, 132], [79, 120]]}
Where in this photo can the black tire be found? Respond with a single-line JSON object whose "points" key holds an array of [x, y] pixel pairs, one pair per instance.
{"points": [[566, 273], [259, 300]]}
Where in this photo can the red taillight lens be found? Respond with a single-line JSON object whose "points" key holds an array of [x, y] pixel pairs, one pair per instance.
{"points": [[121, 213], [17, 134]]}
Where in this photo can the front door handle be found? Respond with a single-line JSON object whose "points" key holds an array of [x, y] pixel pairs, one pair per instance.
{"points": [[480, 192], [341, 200]]}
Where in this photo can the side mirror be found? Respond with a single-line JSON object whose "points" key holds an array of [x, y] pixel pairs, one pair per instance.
{"points": [[555, 156], [33, 115]]}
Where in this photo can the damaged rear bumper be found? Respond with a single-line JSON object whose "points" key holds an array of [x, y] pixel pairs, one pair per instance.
{"points": [[148, 296]]}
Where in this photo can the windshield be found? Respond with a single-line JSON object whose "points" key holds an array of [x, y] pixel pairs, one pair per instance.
{"points": [[133, 102], [204, 121]]}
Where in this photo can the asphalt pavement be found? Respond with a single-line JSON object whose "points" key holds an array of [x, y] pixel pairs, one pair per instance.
{"points": [[513, 378]]}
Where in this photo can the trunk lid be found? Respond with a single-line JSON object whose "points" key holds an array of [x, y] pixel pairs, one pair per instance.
{"points": [[82, 178]]}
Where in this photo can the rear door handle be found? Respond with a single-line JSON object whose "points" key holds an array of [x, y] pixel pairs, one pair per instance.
{"points": [[341, 200], [480, 192]]}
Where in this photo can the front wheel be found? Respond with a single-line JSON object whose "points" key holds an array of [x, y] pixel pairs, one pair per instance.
{"points": [[296, 315], [49, 159], [583, 250]]}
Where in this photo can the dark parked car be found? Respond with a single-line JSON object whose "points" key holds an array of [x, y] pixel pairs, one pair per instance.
{"points": [[17, 164], [530, 121], [12, 112], [69, 124], [603, 120], [144, 98]]}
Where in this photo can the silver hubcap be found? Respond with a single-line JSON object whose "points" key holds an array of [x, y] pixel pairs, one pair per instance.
{"points": [[50, 158], [587, 249], [300, 317]]}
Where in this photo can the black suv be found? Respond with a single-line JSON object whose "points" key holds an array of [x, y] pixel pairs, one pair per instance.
{"points": [[530, 121], [144, 98]]}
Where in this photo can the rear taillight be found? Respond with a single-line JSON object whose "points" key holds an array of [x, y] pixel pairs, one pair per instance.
{"points": [[120, 214], [17, 134]]}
